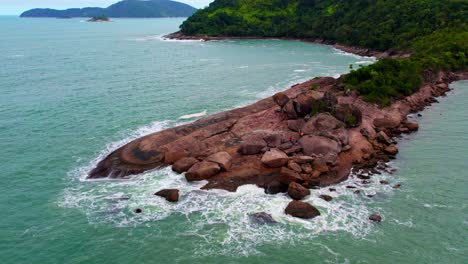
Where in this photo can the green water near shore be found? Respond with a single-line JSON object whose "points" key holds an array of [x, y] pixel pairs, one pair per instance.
{"points": [[72, 91]]}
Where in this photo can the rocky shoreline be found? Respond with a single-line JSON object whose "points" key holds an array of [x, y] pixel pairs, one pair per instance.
{"points": [[309, 136]]}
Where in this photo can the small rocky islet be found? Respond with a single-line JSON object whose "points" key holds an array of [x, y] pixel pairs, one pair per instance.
{"points": [[309, 136]]}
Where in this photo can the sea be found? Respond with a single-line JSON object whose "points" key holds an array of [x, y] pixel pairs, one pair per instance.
{"points": [[73, 91]]}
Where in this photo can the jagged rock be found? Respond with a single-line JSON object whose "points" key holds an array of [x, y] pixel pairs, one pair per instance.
{"points": [[411, 126], [273, 140], [297, 191], [307, 168], [296, 125], [171, 195], [349, 114], [281, 99], [202, 171], [364, 133], [262, 218], [301, 210], [274, 158], [325, 197], [301, 159], [375, 218], [184, 164], [287, 176], [391, 150], [317, 145], [383, 138], [275, 187], [290, 110], [294, 166], [223, 159]]}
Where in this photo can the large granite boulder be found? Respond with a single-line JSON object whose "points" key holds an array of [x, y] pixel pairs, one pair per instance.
{"points": [[223, 159], [184, 164], [275, 158], [318, 145], [301, 210], [297, 191], [287, 176], [281, 99], [202, 171], [171, 195], [349, 114]]}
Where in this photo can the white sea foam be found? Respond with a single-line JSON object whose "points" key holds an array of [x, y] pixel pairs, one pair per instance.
{"points": [[194, 115], [364, 62], [300, 70]]}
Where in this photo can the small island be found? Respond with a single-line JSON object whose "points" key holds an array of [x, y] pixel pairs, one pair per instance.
{"points": [[99, 19]]}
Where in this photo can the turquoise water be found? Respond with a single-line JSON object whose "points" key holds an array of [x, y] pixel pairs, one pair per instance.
{"points": [[73, 91]]}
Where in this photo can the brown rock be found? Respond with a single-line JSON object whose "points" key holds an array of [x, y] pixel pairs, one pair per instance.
{"points": [[382, 137], [297, 191], [375, 218], [184, 164], [296, 125], [317, 145], [386, 122], [286, 145], [294, 166], [274, 158], [252, 147], [275, 187], [293, 149], [290, 110], [323, 122], [320, 165], [202, 171], [301, 210], [307, 168], [281, 99], [411, 126], [287, 176], [325, 197], [171, 195], [391, 150], [364, 133], [273, 140], [223, 159], [301, 159]]}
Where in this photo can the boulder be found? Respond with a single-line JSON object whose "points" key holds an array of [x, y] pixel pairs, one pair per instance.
{"points": [[296, 125], [275, 187], [349, 114], [286, 145], [325, 197], [302, 159], [273, 140], [330, 100], [202, 171], [294, 166], [223, 159], [321, 166], [318, 145], [287, 176], [301, 210], [307, 168], [171, 195], [383, 138], [297, 191], [290, 110], [303, 104], [274, 158], [391, 150], [262, 218], [364, 133], [375, 218], [322, 122], [252, 147], [184, 164], [293, 149], [386, 122], [411, 126], [281, 99]]}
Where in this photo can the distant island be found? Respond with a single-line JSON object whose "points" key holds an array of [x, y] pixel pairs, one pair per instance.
{"points": [[126, 8], [99, 19]]}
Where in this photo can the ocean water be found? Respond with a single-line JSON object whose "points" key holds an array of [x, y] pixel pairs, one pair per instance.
{"points": [[72, 91]]}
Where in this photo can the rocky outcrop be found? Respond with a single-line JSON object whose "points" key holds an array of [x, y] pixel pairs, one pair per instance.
{"points": [[303, 136], [301, 210]]}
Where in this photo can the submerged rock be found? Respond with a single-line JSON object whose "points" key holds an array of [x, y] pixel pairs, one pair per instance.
{"points": [[325, 197], [275, 187], [301, 210], [375, 218], [262, 218]]}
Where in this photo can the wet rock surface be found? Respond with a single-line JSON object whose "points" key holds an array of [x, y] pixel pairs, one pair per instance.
{"points": [[171, 195], [301, 210]]}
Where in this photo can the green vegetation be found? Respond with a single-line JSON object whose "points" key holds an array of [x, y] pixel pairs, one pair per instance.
{"points": [[434, 31]]}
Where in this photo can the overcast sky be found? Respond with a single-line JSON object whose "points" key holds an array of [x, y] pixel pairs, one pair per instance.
{"points": [[16, 7]]}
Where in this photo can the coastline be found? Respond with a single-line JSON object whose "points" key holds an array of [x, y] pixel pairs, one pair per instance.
{"points": [[276, 145]]}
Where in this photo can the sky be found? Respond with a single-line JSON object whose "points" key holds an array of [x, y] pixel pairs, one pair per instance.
{"points": [[16, 7]]}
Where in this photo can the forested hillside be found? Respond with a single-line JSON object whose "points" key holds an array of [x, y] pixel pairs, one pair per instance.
{"points": [[435, 31]]}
